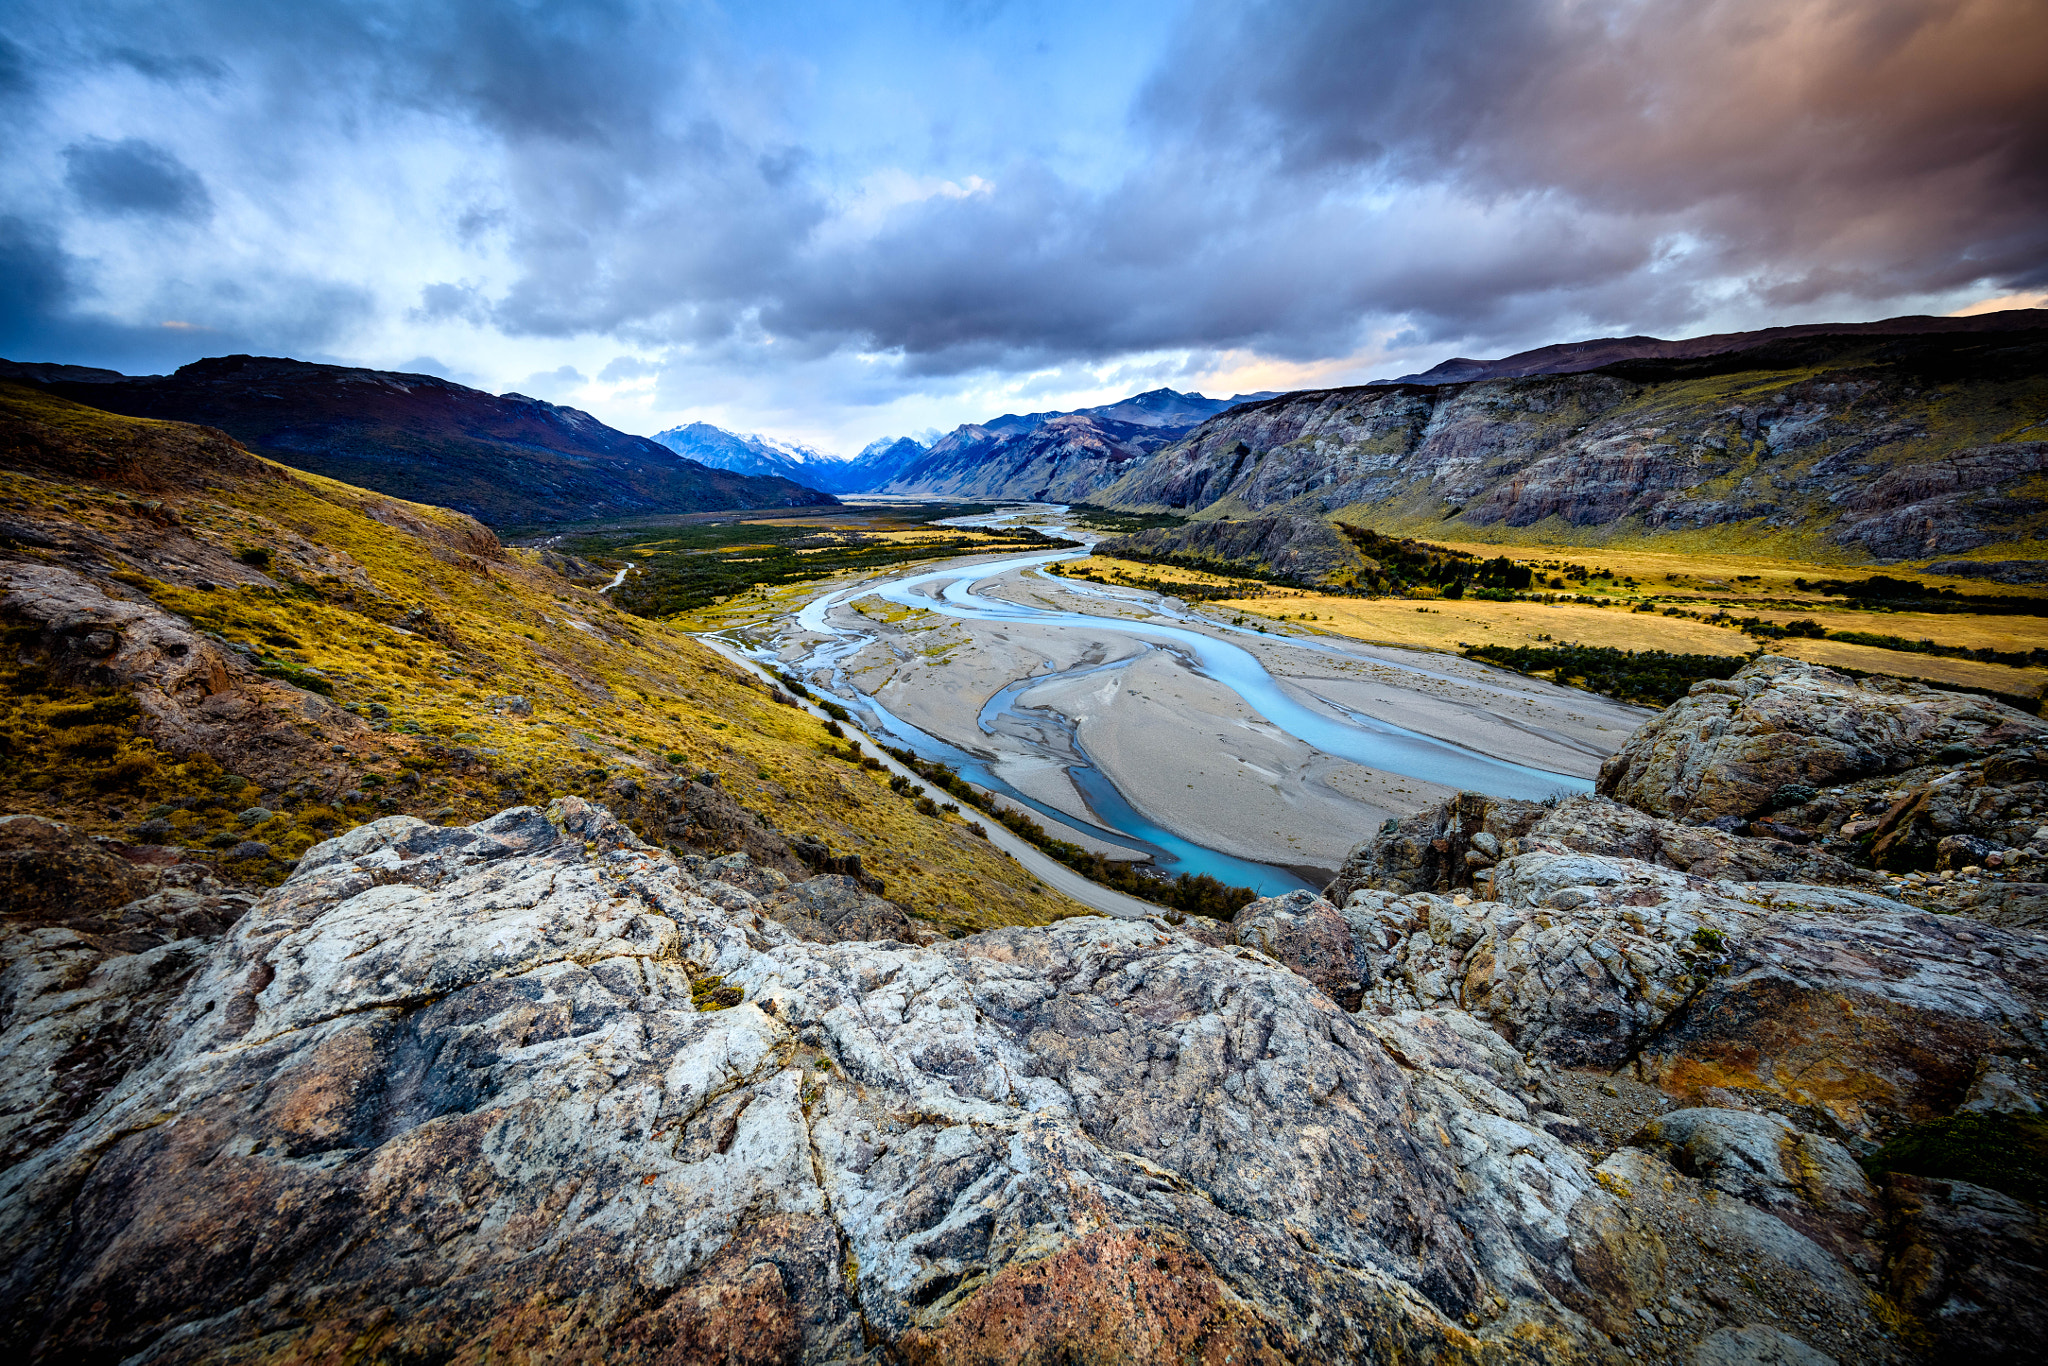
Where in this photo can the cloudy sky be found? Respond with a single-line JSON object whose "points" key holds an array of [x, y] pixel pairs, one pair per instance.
{"points": [[835, 220]]}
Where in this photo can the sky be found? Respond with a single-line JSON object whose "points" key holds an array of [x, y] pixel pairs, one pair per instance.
{"points": [[840, 220]]}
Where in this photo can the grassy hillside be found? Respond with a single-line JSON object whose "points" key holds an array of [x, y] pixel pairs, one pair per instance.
{"points": [[366, 655], [509, 460]]}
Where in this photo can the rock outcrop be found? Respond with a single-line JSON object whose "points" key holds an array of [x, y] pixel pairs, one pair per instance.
{"points": [[1943, 794], [534, 1089], [1737, 748], [196, 694], [1895, 448], [453, 1093], [96, 939], [1308, 549]]}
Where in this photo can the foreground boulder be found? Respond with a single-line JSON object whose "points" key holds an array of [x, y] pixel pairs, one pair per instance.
{"points": [[1876, 1012], [1732, 749], [467, 1093], [533, 1090], [96, 939]]}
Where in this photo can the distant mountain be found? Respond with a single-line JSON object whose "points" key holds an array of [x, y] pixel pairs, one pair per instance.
{"points": [[510, 461], [1065, 459], [753, 454], [882, 460], [1166, 408], [1061, 457], [1079, 450], [1154, 408], [1572, 357]]}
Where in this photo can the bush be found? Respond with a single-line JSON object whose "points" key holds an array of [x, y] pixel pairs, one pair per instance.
{"points": [[2004, 1152], [1652, 676], [255, 556]]}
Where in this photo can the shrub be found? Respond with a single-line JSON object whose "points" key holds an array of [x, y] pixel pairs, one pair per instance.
{"points": [[255, 556], [2005, 1152], [1655, 676]]}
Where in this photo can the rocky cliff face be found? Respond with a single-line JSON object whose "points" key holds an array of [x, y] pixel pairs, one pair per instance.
{"points": [[1068, 458], [1891, 447], [1572, 1083], [1569, 357], [1306, 548]]}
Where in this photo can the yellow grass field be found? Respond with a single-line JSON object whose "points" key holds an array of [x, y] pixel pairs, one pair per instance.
{"points": [[1773, 576], [1742, 585]]}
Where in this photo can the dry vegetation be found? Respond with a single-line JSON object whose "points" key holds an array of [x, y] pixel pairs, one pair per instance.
{"points": [[1627, 610], [484, 678]]}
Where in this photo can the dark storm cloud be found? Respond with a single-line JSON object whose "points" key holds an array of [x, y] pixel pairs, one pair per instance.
{"points": [[623, 194], [1491, 169], [1854, 147], [35, 282], [14, 70], [1299, 175], [134, 176]]}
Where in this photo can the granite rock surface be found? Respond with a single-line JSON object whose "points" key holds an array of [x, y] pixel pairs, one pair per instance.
{"points": [[533, 1090]]}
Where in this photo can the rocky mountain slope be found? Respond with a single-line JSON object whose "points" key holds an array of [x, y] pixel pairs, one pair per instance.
{"points": [[1068, 458], [213, 657], [531, 1089], [1571, 357], [508, 461], [1862, 448], [1303, 549]]}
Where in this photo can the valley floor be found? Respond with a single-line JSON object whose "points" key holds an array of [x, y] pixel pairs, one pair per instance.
{"points": [[1184, 749]]}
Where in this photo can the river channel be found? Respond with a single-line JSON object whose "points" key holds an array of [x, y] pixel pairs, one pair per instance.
{"points": [[1341, 732]]}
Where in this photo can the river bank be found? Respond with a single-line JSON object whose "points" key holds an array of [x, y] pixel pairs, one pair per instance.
{"points": [[1148, 730]]}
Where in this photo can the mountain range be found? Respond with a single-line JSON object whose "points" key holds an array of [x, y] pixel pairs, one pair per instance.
{"points": [[1063, 455], [1896, 439], [508, 460], [757, 455], [1862, 442], [1570, 357]]}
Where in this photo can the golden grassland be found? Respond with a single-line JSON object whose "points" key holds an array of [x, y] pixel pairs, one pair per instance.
{"points": [[1438, 624], [1743, 585], [610, 694], [1135, 573], [1724, 572], [1869, 659]]}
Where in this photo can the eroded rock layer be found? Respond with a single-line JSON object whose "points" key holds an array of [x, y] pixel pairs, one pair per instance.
{"points": [[533, 1090]]}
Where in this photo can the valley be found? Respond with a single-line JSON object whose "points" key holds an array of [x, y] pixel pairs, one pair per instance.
{"points": [[832, 857], [1147, 732]]}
